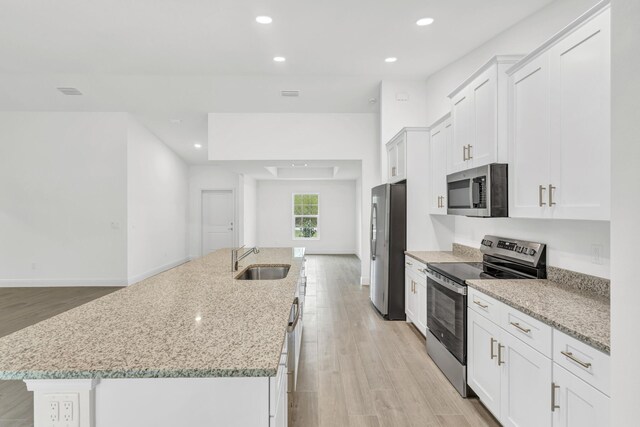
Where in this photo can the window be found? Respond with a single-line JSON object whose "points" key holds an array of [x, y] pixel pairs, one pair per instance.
{"points": [[305, 216]]}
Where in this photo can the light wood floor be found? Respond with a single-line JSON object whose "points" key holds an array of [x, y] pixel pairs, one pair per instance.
{"points": [[19, 308], [356, 369], [359, 370]]}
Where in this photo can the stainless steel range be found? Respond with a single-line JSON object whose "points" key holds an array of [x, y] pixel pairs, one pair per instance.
{"points": [[503, 258]]}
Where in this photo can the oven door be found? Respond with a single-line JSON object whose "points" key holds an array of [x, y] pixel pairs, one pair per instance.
{"points": [[447, 315]]}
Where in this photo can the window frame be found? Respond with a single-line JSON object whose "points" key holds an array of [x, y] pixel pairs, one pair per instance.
{"points": [[294, 216]]}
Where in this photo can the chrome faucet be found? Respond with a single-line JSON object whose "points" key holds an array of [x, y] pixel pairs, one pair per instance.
{"points": [[235, 259]]}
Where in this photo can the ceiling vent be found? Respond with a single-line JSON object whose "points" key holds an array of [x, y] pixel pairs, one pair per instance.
{"points": [[290, 93], [69, 91]]}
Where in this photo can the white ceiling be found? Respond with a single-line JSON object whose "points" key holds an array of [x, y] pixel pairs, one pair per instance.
{"points": [[164, 59]]}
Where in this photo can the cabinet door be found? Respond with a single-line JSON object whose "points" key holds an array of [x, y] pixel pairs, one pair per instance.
{"points": [[482, 363], [392, 162], [438, 153], [484, 147], [529, 140], [401, 158], [409, 296], [463, 130], [577, 404], [580, 122], [421, 303], [526, 382]]}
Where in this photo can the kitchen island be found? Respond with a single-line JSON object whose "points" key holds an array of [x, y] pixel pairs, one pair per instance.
{"points": [[191, 346]]}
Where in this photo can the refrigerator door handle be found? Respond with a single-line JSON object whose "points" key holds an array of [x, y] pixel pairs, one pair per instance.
{"points": [[374, 218]]}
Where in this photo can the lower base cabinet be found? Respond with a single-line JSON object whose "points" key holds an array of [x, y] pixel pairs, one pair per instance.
{"points": [[415, 295], [576, 403], [521, 386]]}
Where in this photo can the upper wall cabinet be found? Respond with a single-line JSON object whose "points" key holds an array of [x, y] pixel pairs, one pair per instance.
{"points": [[440, 142], [559, 124], [478, 113], [397, 158]]}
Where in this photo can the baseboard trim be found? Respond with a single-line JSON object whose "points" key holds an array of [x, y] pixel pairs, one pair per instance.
{"points": [[157, 270], [61, 283], [364, 281]]}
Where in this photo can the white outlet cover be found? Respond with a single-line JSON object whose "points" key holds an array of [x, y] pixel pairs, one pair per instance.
{"points": [[68, 405]]}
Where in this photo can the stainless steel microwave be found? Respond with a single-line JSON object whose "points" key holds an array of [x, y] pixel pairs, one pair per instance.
{"points": [[481, 192]]}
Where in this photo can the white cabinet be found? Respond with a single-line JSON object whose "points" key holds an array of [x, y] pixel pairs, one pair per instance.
{"points": [[525, 383], [483, 372], [416, 294], [511, 368], [479, 117], [440, 142], [397, 158], [576, 403], [559, 124]]}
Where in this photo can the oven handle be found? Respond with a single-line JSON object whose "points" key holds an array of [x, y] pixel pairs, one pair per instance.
{"points": [[462, 290]]}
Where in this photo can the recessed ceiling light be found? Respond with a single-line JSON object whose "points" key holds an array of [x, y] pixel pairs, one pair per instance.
{"points": [[279, 58], [69, 91], [424, 22], [196, 145], [264, 20], [391, 59]]}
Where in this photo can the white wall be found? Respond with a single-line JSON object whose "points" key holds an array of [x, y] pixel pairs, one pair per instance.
{"points": [[397, 113], [276, 136], [208, 178], [625, 197], [570, 241], [336, 225], [63, 199], [157, 199], [249, 208]]}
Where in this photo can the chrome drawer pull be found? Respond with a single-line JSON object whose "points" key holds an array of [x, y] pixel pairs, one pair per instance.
{"points": [[500, 361], [553, 397], [480, 304], [517, 325], [408, 263], [541, 188], [570, 355]]}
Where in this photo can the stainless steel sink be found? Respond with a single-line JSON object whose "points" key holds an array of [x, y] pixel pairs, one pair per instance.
{"points": [[264, 272]]}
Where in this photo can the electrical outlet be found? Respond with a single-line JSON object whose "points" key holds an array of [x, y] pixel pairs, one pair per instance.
{"points": [[63, 410], [67, 412], [54, 411], [596, 254]]}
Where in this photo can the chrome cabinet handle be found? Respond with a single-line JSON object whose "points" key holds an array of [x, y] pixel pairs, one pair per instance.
{"points": [[541, 188], [500, 361], [464, 153], [393, 171], [551, 188], [570, 355], [480, 304], [492, 342], [422, 270], [439, 202], [517, 325], [553, 397], [469, 156], [292, 325], [408, 263]]}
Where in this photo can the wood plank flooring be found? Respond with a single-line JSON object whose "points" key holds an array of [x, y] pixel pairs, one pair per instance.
{"points": [[19, 308], [358, 370]]}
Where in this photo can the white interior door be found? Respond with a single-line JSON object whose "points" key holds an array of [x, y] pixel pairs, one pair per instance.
{"points": [[217, 220]]}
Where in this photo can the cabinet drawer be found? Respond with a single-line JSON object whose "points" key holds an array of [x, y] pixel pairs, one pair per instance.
{"points": [[582, 360], [416, 267], [485, 305], [527, 329]]}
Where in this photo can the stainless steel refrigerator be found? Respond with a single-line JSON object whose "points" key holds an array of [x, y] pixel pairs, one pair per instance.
{"points": [[388, 238]]}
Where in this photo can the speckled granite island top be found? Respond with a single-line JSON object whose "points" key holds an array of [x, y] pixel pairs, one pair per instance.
{"points": [[195, 320], [581, 314]]}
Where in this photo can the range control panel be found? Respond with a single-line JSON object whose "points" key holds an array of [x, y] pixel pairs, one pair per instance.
{"points": [[521, 250]]}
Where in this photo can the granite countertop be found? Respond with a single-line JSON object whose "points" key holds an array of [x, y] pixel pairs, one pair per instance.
{"points": [[460, 253], [582, 314], [195, 320]]}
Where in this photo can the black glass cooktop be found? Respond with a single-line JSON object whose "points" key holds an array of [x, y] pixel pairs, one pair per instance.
{"points": [[460, 272]]}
